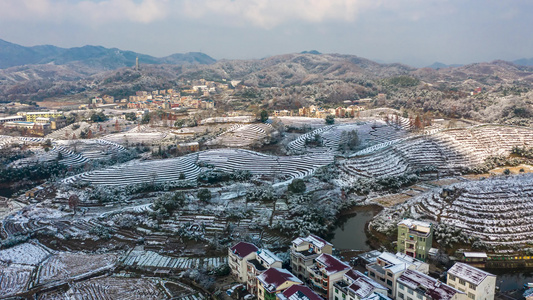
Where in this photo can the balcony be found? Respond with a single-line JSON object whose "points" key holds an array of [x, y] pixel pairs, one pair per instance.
{"points": [[305, 255], [377, 269]]}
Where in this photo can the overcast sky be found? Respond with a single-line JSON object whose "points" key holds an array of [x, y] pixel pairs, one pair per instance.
{"points": [[415, 32]]}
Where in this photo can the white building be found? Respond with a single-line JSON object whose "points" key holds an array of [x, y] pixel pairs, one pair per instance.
{"points": [[389, 267], [413, 285], [356, 286], [304, 250], [264, 260], [476, 283]]}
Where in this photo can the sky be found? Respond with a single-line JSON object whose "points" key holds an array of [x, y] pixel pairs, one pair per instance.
{"points": [[413, 32]]}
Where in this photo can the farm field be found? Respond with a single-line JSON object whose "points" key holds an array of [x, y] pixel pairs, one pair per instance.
{"points": [[129, 202]]}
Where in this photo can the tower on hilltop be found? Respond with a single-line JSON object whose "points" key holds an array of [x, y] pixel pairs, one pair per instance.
{"points": [[137, 63]]}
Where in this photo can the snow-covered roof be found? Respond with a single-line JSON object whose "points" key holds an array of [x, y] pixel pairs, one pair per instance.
{"points": [[274, 277], [469, 273], [332, 264], [312, 239], [267, 256], [376, 296], [361, 284], [416, 225], [475, 254], [243, 249], [398, 262], [299, 292], [370, 257], [430, 287]]}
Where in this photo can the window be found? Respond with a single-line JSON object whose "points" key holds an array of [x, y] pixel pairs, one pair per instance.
{"points": [[400, 295], [472, 286], [336, 298], [410, 291], [371, 274], [462, 282], [471, 296], [336, 290], [389, 274], [452, 278], [401, 286], [389, 282], [419, 296]]}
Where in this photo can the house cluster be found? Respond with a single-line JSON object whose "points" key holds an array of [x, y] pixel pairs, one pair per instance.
{"points": [[315, 273], [166, 99], [34, 123], [339, 112]]}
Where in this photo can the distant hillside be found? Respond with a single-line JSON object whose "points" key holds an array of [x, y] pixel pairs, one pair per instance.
{"points": [[438, 65], [524, 62], [97, 58]]}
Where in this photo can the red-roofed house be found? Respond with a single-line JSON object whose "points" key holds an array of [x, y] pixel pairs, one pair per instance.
{"points": [[326, 271], [298, 292], [238, 256], [274, 281], [304, 250], [416, 285]]}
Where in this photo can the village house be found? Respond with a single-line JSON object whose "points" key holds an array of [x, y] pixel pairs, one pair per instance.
{"points": [[389, 267], [325, 272], [274, 281], [415, 285], [415, 238], [356, 286], [304, 251], [238, 257], [476, 283], [298, 292]]}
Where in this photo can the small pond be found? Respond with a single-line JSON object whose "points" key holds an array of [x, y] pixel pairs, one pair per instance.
{"points": [[350, 231]]}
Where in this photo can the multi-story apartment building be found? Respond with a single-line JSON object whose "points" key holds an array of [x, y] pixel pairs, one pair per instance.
{"points": [[238, 257], [389, 267], [31, 116], [274, 281], [415, 238], [413, 285], [264, 259], [298, 292], [325, 272], [476, 283], [304, 251], [356, 286]]}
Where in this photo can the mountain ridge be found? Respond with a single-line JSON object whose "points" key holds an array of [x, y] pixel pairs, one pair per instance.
{"points": [[96, 57]]}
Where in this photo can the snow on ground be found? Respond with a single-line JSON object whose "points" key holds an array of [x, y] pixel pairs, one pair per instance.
{"points": [[66, 265], [25, 254], [14, 279], [496, 210]]}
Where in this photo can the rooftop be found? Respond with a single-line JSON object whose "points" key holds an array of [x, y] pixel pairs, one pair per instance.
{"points": [[299, 292], [361, 284], [370, 257], [428, 286], [274, 277], [332, 264], [258, 266], [267, 256], [243, 249], [469, 273], [312, 239], [416, 225], [475, 254]]}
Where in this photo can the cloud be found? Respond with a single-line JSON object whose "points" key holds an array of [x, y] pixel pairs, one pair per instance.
{"points": [[84, 11], [271, 13]]}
